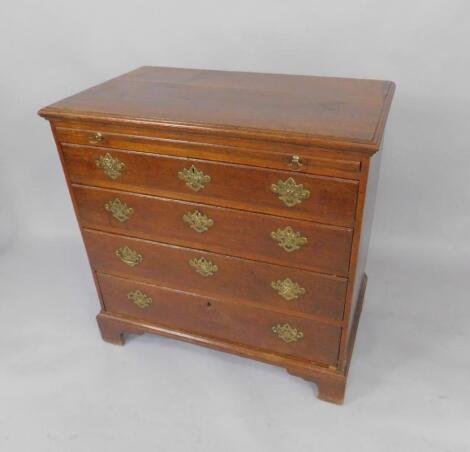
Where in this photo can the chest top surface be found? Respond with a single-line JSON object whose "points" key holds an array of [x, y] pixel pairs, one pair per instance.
{"points": [[305, 109]]}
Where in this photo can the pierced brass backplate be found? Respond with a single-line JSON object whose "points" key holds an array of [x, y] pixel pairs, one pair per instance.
{"points": [[120, 210], [194, 178], [288, 239], [287, 288], [287, 333], [139, 298], [129, 256], [203, 266], [198, 221], [289, 192], [111, 166]]}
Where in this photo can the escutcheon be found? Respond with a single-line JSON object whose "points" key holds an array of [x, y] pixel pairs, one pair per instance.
{"points": [[198, 221], [287, 333], [290, 193], [141, 299], [194, 178], [288, 239], [203, 266], [288, 289], [129, 256], [120, 210], [111, 166]]}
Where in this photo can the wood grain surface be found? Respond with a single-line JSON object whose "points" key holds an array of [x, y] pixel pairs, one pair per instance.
{"points": [[245, 132], [270, 106], [233, 232], [213, 318], [236, 279], [331, 200]]}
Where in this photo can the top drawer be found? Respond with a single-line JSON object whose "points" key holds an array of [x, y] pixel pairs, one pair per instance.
{"points": [[278, 156], [323, 199]]}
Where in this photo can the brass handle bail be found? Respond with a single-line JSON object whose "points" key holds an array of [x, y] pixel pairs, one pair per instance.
{"points": [[289, 192], [96, 138], [287, 333], [203, 266], [194, 178], [111, 166], [296, 161], [141, 299]]}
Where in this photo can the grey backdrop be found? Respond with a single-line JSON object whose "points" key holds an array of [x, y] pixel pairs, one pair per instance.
{"points": [[62, 389]]}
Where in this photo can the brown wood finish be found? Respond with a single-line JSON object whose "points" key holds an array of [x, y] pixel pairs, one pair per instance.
{"points": [[331, 201], [227, 321], [234, 232], [365, 212], [142, 136], [333, 112], [330, 382], [243, 130], [322, 162], [236, 279]]}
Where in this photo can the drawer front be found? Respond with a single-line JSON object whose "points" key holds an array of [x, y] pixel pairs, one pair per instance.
{"points": [[323, 199], [283, 157], [278, 333], [228, 231], [216, 275]]}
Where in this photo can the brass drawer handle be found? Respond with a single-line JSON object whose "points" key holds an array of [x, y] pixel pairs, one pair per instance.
{"points": [[120, 210], [288, 239], [194, 178], [96, 138], [290, 193], [203, 266], [287, 333], [288, 289], [198, 221], [129, 256], [111, 166], [295, 162], [141, 299]]}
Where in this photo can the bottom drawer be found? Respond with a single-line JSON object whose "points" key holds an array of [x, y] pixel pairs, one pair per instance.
{"points": [[259, 328]]}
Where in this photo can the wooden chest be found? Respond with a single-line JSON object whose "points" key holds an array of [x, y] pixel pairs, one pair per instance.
{"points": [[230, 210]]}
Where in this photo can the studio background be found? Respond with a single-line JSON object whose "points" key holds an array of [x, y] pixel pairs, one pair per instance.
{"points": [[63, 389]]}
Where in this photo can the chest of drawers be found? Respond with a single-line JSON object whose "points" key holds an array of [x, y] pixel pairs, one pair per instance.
{"points": [[230, 210]]}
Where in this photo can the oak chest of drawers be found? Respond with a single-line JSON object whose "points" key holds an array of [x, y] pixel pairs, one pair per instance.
{"points": [[231, 210]]}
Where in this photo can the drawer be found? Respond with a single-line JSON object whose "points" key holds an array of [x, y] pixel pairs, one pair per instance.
{"points": [[228, 231], [323, 199], [270, 331], [265, 155], [216, 275]]}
